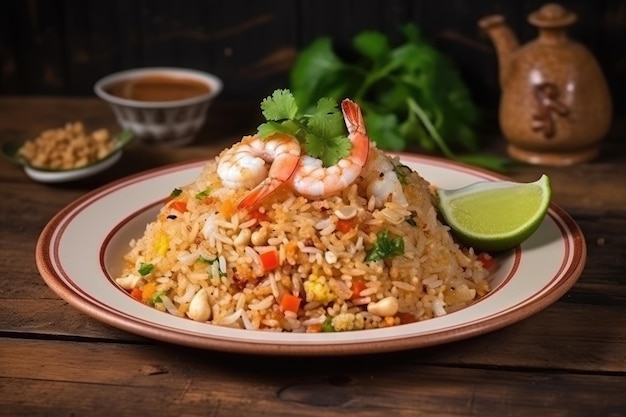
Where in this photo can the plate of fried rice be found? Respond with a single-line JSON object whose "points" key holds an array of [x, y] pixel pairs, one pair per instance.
{"points": [[171, 254]]}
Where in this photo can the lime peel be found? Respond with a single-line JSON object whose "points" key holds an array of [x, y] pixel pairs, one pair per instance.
{"points": [[495, 215]]}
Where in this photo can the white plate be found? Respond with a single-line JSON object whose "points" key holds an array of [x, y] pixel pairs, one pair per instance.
{"points": [[80, 251]]}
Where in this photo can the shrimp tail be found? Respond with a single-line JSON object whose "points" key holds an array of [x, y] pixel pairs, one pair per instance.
{"points": [[353, 116], [259, 193], [281, 171], [356, 129]]}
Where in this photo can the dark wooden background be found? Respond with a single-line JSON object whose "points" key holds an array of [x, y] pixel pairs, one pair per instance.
{"points": [[61, 47]]}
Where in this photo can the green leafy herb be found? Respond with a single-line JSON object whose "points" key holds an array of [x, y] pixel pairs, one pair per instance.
{"points": [[215, 265], [156, 297], [327, 326], [145, 269], [203, 194], [385, 247], [321, 132], [176, 192], [410, 94]]}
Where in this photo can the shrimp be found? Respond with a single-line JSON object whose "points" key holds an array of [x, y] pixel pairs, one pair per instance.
{"points": [[313, 180], [382, 181], [244, 165]]}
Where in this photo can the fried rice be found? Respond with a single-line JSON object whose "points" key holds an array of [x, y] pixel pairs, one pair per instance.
{"points": [[301, 265]]}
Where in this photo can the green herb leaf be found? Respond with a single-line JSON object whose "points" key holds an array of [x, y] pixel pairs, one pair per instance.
{"points": [[373, 45], [271, 128], [322, 133], [329, 150], [384, 127], [327, 120], [385, 247], [156, 297], [204, 193], [281, 105], [176, 192], [319, 72], [327, 326], [410, 93], [145, 269]]}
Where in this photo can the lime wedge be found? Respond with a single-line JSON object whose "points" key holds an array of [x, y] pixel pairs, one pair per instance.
{"points": [[495, 216]]}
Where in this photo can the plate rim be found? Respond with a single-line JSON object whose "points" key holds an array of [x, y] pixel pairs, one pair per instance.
{"points": [[564, 281]]}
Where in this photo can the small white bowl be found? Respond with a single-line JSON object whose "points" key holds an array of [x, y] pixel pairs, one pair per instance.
{"points": [[168, 123]]}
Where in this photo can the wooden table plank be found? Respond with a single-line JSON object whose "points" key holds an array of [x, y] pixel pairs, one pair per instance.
{"points": [[522, 345], [158, 380], [569, 359]]}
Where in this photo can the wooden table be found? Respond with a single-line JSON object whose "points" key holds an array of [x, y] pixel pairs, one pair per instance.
{"points": [[569, 359]]}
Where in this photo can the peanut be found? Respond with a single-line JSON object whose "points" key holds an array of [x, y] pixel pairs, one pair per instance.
{"points": [[67, 147]]}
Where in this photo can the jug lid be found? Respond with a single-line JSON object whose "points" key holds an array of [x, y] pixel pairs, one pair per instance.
{"points": [[552, 15]]}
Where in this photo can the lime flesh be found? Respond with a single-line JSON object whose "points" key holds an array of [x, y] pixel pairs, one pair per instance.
{"points": [[495, 216]]}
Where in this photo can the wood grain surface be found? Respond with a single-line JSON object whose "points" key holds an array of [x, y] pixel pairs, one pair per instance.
{"points": [[567, 360]]}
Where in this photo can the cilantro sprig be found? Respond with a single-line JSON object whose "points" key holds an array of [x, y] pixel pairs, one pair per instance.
{"points": [[322, 132], [410, 93], [385, 247]]}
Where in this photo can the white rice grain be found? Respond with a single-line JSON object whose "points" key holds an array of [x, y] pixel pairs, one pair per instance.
{"points": [[230, 319], [361, 300], [254, 255], [170, 307], [403, 286], [438, 310], [263, 304], [247, 324], [314, 320], [248, 223]]}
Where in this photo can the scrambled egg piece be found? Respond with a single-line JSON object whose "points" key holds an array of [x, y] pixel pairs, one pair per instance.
{"points": [[317, 289], [161, 243]]}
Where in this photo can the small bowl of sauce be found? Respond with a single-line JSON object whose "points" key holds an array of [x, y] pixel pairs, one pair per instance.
{"points": [[160, 105]]}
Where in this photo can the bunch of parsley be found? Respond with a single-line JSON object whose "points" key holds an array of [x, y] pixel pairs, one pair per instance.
{"points": [[410, 94]]}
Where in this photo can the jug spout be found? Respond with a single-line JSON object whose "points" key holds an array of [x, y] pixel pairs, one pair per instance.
{"points": [[504, 40]]}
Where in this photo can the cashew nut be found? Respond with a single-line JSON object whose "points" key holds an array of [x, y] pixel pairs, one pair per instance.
{"points": [[346, 212], [243, 238], [199, 308], [129, 282], [386, 307], [259, 237]]}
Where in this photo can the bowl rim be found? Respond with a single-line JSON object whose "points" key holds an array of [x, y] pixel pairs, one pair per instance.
{"points": [[214, 82]]}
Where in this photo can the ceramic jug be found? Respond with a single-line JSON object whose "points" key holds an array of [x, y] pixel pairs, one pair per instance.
{"points": [[555, 106]]}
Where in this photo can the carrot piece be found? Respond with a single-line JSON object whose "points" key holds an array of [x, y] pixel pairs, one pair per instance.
{"points": [[358, 285], [344, 226], [179, 205], [136, 293], [290, 302], [270, 259], [148, 291], [228, 208], [314, 328]]}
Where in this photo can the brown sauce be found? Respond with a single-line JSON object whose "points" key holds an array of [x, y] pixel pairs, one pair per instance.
{"points": [[158, 88]]}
